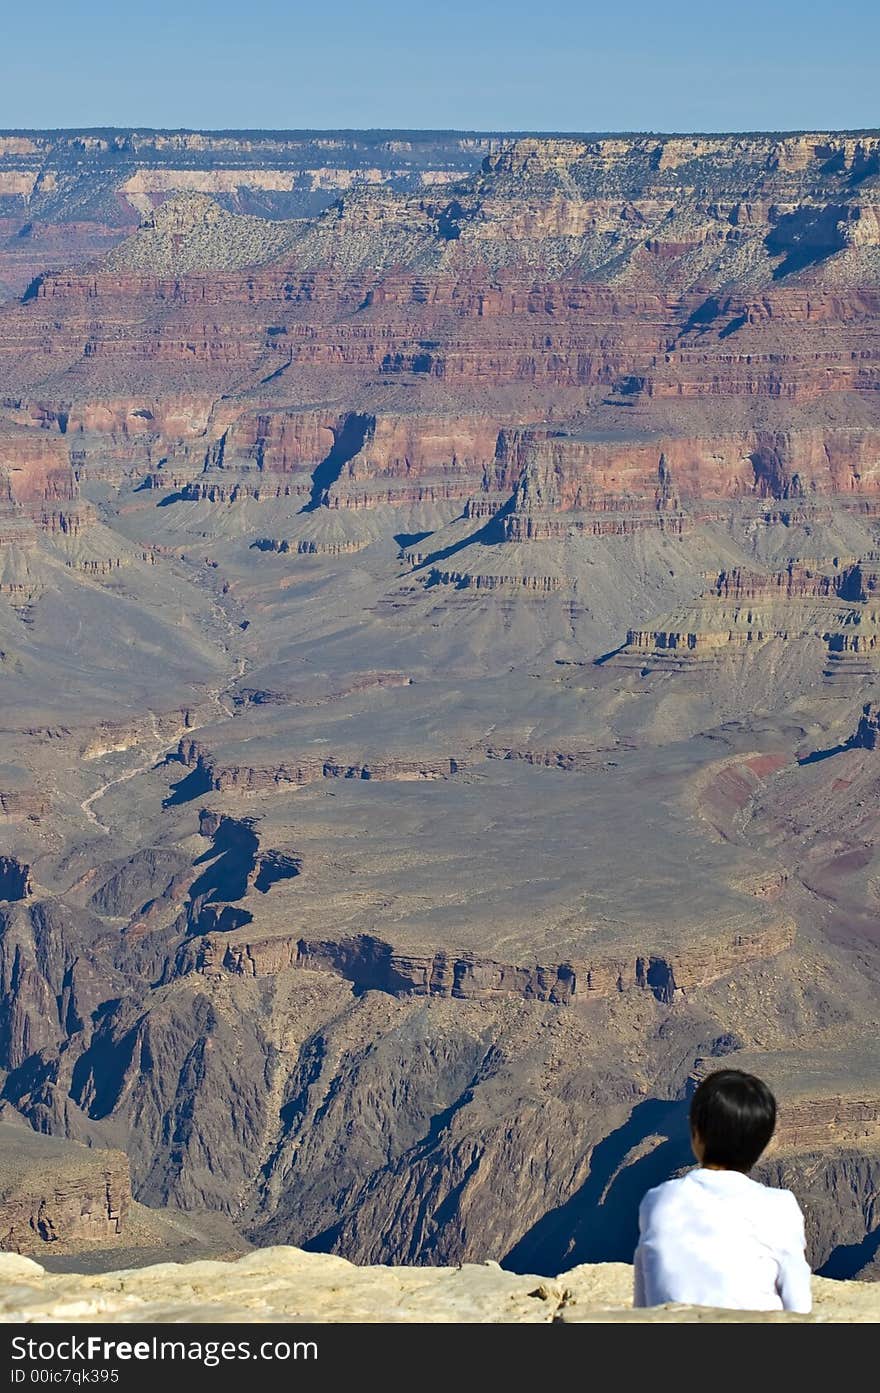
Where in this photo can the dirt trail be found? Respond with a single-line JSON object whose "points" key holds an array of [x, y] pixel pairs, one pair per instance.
{"points": [[226, 711], [159, 749], [86, 804]]}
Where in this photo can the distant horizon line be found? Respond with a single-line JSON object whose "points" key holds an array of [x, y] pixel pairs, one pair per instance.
{"points": [[425, 131]]}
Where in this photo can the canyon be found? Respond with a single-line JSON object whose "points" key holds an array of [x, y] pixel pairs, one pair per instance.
{"points": [[439, 660]]}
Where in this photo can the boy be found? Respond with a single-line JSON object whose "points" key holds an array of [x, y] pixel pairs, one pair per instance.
{"points": [[715, 1237]]}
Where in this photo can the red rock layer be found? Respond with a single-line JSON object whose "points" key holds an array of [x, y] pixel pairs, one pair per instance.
{"points": [[34, 470], [473, 328]]}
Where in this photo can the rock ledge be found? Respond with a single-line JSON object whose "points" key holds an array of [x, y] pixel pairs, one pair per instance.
{"points": [[290, 1285]]}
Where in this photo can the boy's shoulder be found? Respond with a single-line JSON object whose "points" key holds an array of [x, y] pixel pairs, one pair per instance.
{"points": [[680, 1191], [783, 1200], [780, 1210], [669, 1193]]}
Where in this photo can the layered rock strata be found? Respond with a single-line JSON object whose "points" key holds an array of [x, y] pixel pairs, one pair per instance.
{"points": [[371, 964]]}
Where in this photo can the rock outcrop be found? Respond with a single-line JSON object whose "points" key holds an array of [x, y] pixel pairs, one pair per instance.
{"points": [[57, 1193], [283, 1283], [371, 964], [867, 733], [71, 1207]]}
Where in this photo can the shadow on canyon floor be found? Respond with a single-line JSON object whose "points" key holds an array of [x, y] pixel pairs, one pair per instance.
{"points": [[600, 1222], [847, 1260], [818, 755], [194, 784], [490, 534], [347, 442]]}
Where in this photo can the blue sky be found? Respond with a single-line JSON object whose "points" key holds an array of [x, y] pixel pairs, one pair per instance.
{"points": [[662, 65]]}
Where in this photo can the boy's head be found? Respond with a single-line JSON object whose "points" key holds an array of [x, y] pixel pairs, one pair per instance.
{"points": [[732, 1119]]}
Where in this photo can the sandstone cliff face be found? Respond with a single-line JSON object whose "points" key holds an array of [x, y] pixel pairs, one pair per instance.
{"points": [[68, 1204], [87, 1211], [593, 475], [34, 471], [23, 803], [499, 331]]}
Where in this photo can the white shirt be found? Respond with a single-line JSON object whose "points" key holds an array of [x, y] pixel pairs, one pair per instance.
{"points": [[717, 1238]]}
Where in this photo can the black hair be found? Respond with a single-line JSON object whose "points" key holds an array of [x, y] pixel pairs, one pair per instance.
{"points": [[734, 1115]]}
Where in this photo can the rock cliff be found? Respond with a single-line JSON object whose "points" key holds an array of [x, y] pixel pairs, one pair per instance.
{"points": [[56, 1193]]}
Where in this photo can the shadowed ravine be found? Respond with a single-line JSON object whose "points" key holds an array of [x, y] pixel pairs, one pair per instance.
{"points": [[348, 441], [600, 1222]]}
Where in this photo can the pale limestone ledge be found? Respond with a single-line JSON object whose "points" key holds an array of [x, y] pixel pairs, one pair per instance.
{"points": [[288, 1284]]}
